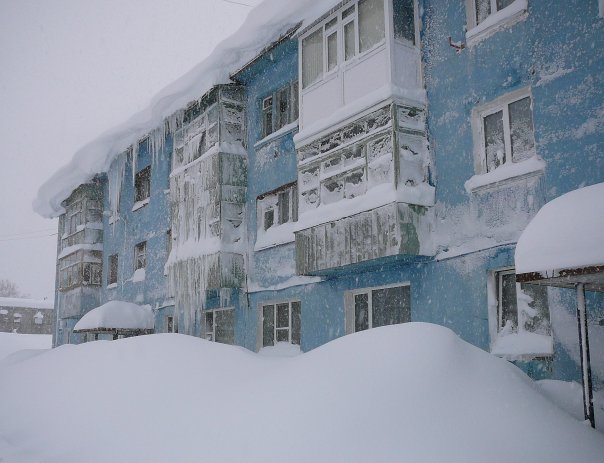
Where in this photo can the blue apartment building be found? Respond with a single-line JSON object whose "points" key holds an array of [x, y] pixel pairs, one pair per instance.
{"points": [[372, 165]]}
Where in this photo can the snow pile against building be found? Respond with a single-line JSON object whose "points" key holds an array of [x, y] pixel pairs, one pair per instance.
{"points": [[381, 395], [566, 233]]}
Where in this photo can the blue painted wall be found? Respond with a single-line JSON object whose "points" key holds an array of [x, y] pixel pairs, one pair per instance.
{"points": [[150, 223]]}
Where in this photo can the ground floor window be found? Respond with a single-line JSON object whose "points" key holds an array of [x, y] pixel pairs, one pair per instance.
{"points": [[520, 307], [219, 326], [170, 325], [281, 323], [372, 307]]}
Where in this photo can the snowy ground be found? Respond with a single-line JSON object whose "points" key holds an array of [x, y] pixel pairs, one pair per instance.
{"points": [[412, 392], [13, 342]]}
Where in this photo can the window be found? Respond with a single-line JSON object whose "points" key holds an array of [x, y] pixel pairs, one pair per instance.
{"points": [[170, 325], [113, 264], [484, 8], [355, 29], [281, 323], [91, 273], [504, 132], [142, 184], [404, 20], [280, 109], [278, 206], [220, 326], [370, 308], [486, 16], [140, 255], [520, 307]]}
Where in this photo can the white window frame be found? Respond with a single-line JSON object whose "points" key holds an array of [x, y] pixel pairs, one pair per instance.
{"points": [[495, 302], [479, 113], [270, 103], [349, 303], [339, 28], [260, 326], [140, 257], [208, 334], [270, 202], [496, 20]]}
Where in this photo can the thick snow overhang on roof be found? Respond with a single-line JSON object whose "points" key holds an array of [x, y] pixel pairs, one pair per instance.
{"points": [[264, 25], [117, 315], [25, 303], [563, 244]]}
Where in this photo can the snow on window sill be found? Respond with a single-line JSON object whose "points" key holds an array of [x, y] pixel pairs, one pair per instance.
{"points": [[523, 346], [505, 173], [277, 133], [113, 219], [275, 236], [139, 204], [112, 286], [138, 276], [506, 17]]}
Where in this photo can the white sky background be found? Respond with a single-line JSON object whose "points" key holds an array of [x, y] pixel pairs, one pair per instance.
{"points": [[69, 70]]}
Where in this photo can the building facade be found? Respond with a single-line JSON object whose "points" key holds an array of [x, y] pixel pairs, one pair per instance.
{"points": [[26, 316], [374, 164]]}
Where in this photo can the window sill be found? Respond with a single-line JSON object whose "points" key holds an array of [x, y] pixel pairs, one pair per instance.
{"points": [[138, 275], [112, 286], [523, 346], [275, 236], [506, 173], [139, 204], [507, 17], [276, 134]]}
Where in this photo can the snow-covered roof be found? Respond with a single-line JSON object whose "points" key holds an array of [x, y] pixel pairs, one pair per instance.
{"points": [[264, 25], [565, 234], [117, 315], [25, 303]]}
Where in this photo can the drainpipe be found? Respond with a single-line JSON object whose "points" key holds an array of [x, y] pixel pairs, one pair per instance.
{"points": [[588, 404]]}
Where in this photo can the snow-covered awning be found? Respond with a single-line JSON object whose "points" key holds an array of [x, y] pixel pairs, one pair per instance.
{"points": [[117, 315], [564, 243]]}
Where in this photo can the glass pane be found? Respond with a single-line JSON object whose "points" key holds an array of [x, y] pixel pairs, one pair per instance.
{"points": [[282, 315], [507, 299], [404, 27], [349, 40], [501, 4], [493, 140], [225, 326], [269, 218], [296, 322], [371, 23], [283, 335], [284, 207], [483, 9], [347, 12], [391, 306], [536, 318], [210, 322], [268, 325], [284, 102], [332, 51], [521, 129], [361, 312], [295, 101], [312, 58]]}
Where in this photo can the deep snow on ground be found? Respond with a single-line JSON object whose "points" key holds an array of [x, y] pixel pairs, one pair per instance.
{"points": [[412, 392], [13, 342]]}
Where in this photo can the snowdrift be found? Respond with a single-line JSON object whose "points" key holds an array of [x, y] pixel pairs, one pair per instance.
{"points": [[412, 392]]}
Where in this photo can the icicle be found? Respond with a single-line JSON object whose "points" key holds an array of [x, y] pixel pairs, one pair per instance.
{"points": [[134, 161], [115, 182]]}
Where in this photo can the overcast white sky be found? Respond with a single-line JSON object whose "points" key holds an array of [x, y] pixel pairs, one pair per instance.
{"points": [[69, 70]]}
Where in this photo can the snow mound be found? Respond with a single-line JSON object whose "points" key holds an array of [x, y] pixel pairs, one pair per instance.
{"points": [[117, 314], [413, 392], [264, 24], [16, 342], [566, 233]]}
